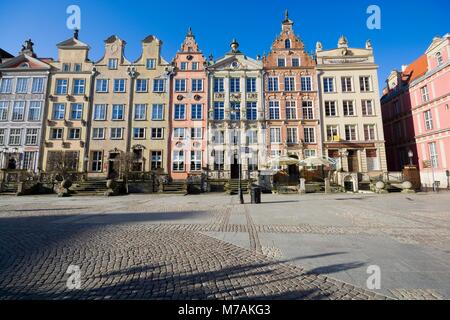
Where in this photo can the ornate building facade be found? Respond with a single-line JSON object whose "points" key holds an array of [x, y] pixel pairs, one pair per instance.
{"points": [[188, 111], [416, 115], [23, 93], [352, 126], [236, 121], [291, 100], [68, 106]]}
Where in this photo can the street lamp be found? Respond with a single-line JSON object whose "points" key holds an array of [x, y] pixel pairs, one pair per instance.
{"points": [[410, 156]]}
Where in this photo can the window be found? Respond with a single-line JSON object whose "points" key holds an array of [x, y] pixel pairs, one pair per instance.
{"points": [[252, 136], [291, 110], [3, 110], [100, 112], [31, 137], [139, 133], [76, 111], [59, 110], [178, 160], [289, 84], [197, 85], [18, 111], [180, 85], [273, 84], [235, 85], [194, 66], [330, 109], [367, 108], [156, 157], [78, 86], [218, 85], [306, 83], [274, 110], [434, 157], [292, 135], [61, 86], [66, 67], [349, 109], [365, 84], [333, 133], [309, 134], [275, 135], [196, 112], [196, 133], [157, 133], [373, 164], [425, 94], [369, 132], [196, 160], [309, 153], [140, 111], [112, 64], [116, 133], [346, 83], [5, 85], [287, 44], [157, 112], [308, 111], [97, 161], [350, 132], [29, 159], [183, 66], [439, 59], [15, 136], [98, 133], [101, 85], [2, 136], [119, 85], [251, 85], [38, 85], [22, 85], [56, 133], [235, 111], [219, 157], [117, 111], [179, 133], [77, 67], [428, 116], [281, 62], [328, 85], [141, 85], [74, 134], [180, 112], [218, 137], [252, 111], [295, 62], [150, 64], [158, 85], [219, 111], [34, 113]]}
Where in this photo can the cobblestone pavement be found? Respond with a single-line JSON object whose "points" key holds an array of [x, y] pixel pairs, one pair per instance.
{"points": [[199, 247]]}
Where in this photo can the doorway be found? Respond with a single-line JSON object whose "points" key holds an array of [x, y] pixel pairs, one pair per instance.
{"points": [[113, 166], [353, 161], [235, 168]]}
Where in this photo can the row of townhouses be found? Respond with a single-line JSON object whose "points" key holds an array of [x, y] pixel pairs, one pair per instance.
{"points": [[193, 113]]}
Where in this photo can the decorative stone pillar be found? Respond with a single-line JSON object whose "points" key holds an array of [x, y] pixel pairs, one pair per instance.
{"points": [[327, 185], [302, 187]]}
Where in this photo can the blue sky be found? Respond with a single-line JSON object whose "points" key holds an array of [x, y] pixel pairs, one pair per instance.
{"points": [[407, 26]]}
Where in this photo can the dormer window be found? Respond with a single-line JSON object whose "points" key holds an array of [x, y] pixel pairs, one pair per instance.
{"points": [[77, 67], [66, 67], [287, 44], [151, 64], [183, 66], [112, 64], [439, 58], [281, 62], [25, 65]]}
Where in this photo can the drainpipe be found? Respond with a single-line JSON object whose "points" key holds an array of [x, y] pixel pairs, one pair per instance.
{"points": [[94, 74]]}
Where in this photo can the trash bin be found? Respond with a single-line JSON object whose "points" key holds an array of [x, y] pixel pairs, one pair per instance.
{"points": [[256, 195]]}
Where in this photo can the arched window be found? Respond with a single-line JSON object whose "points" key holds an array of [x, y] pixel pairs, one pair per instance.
{"points": [[287, 44], [439, 58], [25, 65]]}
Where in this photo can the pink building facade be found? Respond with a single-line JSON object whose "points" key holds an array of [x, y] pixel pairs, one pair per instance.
{"points": [[416, 115], [188, 111]]}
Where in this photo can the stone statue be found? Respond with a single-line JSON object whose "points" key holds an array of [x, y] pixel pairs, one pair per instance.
{"points": [[319, 46], [369, 45]]}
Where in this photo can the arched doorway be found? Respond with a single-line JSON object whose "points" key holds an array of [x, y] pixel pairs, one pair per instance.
{"points": [[294, 171], [349, 184], [12, 163]]}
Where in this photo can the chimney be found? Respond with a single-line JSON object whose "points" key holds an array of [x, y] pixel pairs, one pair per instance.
{"points": [[404, 67]]}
